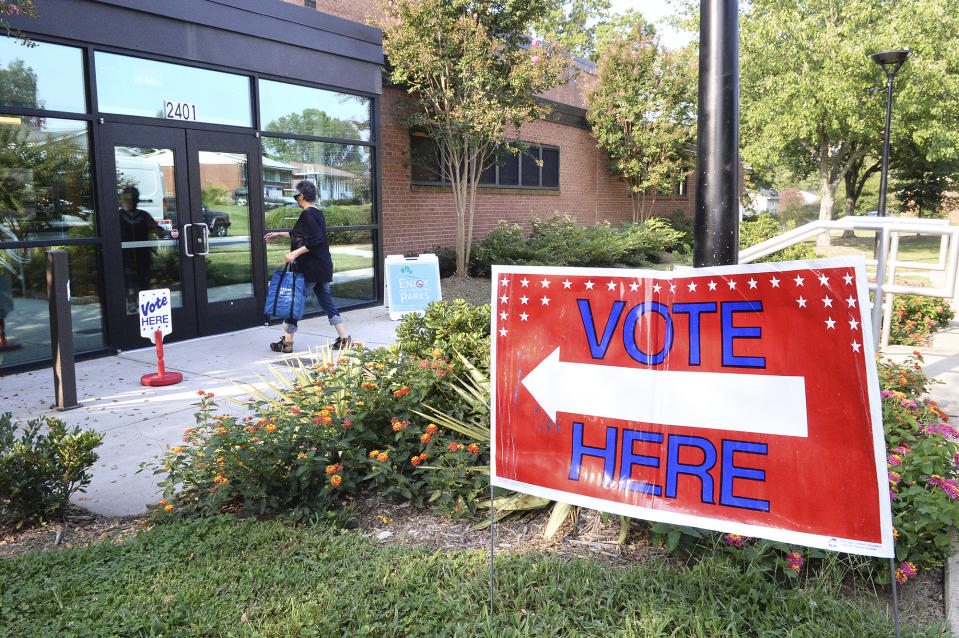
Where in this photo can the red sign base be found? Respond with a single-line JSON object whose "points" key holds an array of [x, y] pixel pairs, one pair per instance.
{"points": [[161, 376], [167, 378]]}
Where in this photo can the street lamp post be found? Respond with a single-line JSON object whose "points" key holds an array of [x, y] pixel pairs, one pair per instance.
{"points": [[890, 61]]}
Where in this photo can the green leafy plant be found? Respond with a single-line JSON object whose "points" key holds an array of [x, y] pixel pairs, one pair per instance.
{"points": [[561, 241], [313, 440], [923, 457], [42, 465], [765, 227], [915, 317], [455, 326]]}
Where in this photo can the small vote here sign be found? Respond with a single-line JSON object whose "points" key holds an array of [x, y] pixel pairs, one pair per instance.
{"points": [[155, 313], [743, 399]]}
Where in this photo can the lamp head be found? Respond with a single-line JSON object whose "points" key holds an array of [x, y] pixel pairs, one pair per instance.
{"points": [[890, 61]]}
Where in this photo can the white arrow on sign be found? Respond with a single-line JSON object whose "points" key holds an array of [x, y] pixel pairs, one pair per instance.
{"points": [[763, 404]]}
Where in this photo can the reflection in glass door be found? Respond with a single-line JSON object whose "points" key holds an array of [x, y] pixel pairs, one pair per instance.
{"points": [[226, 213], [148, 221]]}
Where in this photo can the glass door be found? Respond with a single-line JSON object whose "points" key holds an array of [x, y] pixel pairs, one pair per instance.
{"points": [[182, 222], [229, 287]]}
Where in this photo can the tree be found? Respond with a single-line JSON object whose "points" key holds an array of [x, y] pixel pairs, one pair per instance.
{"points": [[641, 108], [809, 90], [18, 85], [573, 24], [472, 76], [921, 183]]}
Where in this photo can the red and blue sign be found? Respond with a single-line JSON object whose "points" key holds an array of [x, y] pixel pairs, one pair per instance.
{"points": [[742, 399]]}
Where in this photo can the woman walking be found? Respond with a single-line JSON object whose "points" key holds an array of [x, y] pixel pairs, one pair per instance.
{"points": [[310, 249]]}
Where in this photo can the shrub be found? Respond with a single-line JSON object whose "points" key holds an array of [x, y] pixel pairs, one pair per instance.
{"points": [[455, 326], [915, 317], [682, 224], [923, 455], [335, 214], [505, 244], [765, 227], [447, 260], [41, 467], [561, 241], [334, 429]]}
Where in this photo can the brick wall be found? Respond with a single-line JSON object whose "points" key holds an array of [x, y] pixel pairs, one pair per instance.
{"points": [[355, 10], [418, 218]]}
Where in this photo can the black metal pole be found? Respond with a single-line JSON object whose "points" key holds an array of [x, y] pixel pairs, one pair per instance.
{"points": [[716, 238], [885, 148], [61, 330]]}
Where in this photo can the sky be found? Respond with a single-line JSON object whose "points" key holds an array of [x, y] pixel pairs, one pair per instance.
{"points": [[654, 11]]}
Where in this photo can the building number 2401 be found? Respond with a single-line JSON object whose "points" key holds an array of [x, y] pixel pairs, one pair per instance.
{"points": [[179, 111]]}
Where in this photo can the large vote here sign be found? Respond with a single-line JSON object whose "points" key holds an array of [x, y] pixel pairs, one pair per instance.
{"points": [[742, 399]]}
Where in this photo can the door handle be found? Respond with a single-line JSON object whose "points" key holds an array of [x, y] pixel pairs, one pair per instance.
{"points": [[187, 237], [206, 239]]}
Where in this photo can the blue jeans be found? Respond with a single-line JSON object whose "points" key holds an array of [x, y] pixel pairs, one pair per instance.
{"points": [[323, 295]]}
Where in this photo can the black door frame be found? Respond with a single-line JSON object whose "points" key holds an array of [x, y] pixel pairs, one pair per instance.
{"points": [[196, 317]]}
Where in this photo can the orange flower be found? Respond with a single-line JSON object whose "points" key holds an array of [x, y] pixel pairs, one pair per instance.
{"points": [[426, 438], [336, 479], [382, 457], [473, 448], [402, 392], [333, 469], [431, 428], [270, 429], [295, 411], [374, 453], [168, 508], [178, 450]]}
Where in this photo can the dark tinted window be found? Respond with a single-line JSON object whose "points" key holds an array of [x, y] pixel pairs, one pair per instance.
{"points": [[424, 159], [550, 168], [509, 170], [530, 167]]}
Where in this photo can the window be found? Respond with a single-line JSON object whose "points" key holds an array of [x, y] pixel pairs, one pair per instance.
{"points": [[301, 110], [534, 167], [44, 76], [136, 86], [309, 4]]}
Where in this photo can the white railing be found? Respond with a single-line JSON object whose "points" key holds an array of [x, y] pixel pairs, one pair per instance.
{"points": [[888, 231]]}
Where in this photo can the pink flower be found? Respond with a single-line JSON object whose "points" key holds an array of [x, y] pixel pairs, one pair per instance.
{"points": [[906, 571], [894, 459], [794, 561], [734, 540], [534, 59]]}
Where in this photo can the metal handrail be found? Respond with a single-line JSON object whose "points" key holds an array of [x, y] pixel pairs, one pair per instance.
{"points": [[889, 230]]}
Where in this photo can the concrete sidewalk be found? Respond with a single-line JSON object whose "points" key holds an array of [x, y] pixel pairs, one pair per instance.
{"points": [[139, 421]]}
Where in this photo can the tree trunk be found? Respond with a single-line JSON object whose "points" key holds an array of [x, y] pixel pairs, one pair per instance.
{"points": [[828, 191]]}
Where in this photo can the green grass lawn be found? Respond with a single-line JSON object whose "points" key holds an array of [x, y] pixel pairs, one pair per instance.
{"points": [[223, 577]]}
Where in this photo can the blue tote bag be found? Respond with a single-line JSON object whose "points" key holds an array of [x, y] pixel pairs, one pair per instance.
{"points": [[286, 295]]}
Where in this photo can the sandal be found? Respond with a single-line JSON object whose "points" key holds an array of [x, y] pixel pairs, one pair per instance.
{"points": [[342, 342], [282, 346]]}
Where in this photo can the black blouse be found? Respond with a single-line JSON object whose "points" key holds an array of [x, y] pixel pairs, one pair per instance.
{"points": [[310, 231]]}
